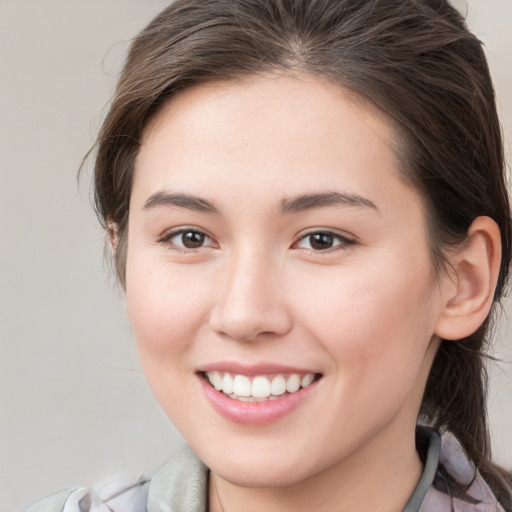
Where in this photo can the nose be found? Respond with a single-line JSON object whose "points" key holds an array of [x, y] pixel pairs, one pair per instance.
{"points": [[251, 301]]}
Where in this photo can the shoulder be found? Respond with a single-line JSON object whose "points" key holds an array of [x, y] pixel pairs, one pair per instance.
{"points": [[53, 503], [181, 484], [118, 496], [81, 499]]}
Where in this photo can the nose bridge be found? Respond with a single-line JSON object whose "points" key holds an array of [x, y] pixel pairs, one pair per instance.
{"points": [[251, 300]]}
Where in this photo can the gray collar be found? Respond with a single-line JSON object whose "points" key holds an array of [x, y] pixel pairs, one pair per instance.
{"points": [[181, 485]]}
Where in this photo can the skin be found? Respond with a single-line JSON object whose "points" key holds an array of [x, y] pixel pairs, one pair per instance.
{"points": [[365, 313]]}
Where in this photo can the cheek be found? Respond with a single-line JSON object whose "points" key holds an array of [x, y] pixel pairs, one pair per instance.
{"points": [[375, 325], [165, 309]]}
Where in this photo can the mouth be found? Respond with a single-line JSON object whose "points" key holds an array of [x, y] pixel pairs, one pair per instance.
{"points": [[257, 394], [259, 388]]}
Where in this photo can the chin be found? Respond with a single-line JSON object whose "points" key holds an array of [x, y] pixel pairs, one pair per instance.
{"points": [[259, 467], [247, 475]]}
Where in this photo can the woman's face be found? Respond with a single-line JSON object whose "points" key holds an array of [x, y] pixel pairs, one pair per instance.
{"points": [[273, 245]]}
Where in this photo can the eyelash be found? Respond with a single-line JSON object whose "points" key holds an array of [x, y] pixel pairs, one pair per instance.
{"points": [[343, 242]]}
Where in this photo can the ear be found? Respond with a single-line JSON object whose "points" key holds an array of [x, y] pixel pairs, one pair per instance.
{"points": [[112, 232], [469, 290]]}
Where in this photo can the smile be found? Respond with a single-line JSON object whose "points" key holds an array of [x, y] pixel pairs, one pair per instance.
{"points": [[256, 395], [260, 388]]}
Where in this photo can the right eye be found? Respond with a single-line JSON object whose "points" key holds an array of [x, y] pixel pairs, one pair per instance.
{"points": [[188, 239]]}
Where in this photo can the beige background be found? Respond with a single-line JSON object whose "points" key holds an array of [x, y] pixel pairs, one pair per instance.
{"points": [[74, 406]]}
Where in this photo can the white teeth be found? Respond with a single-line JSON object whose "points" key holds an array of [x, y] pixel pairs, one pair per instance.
{"points": [[293, 383], [278, 385], [215, 380], [241, 386], [307, 380], [260, 389], [227, 384]]}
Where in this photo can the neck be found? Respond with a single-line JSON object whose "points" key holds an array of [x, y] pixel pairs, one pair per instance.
{"points": [[380, 476]]}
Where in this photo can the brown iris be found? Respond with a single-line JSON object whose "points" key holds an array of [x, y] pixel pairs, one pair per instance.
{"points": [[321, 241], [192, 239]]}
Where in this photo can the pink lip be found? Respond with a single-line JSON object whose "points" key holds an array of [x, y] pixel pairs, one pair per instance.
{"points": [[255, 413], [253, 369]]}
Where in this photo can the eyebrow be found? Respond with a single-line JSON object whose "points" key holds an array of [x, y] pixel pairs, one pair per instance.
{"points": [[323, 199], [189, 202], [288, 205]]}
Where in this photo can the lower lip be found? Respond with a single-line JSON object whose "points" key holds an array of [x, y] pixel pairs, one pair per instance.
{"points": [[255, 413]]}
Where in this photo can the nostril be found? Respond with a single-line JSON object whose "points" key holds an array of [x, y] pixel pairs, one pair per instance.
{"points": [[250, 324]]}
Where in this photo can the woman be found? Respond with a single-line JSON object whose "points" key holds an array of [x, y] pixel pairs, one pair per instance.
{"points": [[308, 212]]}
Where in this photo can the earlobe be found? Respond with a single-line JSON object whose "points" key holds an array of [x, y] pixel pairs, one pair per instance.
{"points": [[469, 294], [112, 232]]}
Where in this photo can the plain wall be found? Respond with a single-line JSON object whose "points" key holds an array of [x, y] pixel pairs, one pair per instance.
{"points": [[74, 405]]}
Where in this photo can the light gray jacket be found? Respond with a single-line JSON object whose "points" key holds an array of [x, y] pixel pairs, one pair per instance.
{"points": [[182, 486]]}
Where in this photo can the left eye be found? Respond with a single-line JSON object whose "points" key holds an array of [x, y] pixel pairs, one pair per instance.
{"points": [[322, 241]]}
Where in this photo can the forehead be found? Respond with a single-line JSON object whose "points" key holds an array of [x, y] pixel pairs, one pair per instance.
{"points": [[305, 97], [297, 132]]}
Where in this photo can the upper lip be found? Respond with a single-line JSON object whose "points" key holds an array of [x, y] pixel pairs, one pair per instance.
{"points": [[252, 369]]}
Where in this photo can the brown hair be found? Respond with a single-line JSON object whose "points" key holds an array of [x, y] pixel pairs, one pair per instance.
{"points": [[417, 62]]}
